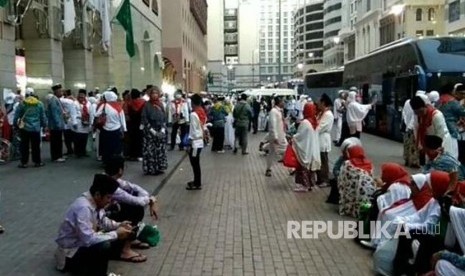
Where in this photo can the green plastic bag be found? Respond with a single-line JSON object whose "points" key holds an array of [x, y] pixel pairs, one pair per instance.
{"points": [[150, 235]]}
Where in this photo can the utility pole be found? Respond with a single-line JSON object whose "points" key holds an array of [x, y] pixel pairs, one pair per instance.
{"points": [[279, 44]]}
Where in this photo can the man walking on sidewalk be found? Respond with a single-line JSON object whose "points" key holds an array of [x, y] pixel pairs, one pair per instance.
{"points": [[325, 123], [276, 134], [242, 115], [56, 123]]}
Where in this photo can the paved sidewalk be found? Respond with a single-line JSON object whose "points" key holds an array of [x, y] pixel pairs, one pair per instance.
{"points": [[34, 200], [237, 224]]}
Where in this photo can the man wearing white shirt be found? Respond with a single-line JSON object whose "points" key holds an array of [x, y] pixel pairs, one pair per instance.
{"points": [[69, 107], [325, 124], [84, 118]]}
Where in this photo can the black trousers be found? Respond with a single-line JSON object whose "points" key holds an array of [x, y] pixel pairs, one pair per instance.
{"points": [[69, 139], [127, 212], [345, 132], [428, 246], [174, 131], [135, 142], [241, 138], [111, 144], [461, 144], [93, 260], [195, 163], [32, 139], [80, 143], [323, 173], [218, 138], [255, 124], [56, 144]]}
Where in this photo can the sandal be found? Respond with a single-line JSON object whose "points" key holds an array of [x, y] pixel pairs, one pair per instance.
{"points": [[140, 245], [268, 173], [138, 258]]}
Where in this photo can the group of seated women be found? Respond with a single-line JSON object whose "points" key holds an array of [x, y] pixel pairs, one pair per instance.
{"points": [[425, 207]]}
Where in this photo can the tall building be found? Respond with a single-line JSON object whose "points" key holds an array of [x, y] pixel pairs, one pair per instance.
{"points": [[34, 51], [276, 40], [308, 36], [217, 70], [347, 32], [185, 43], [455, 17], [333, 55]]}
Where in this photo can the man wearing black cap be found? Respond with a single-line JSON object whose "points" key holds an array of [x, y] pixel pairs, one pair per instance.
{"points": [[56, 123], [87, 239]]}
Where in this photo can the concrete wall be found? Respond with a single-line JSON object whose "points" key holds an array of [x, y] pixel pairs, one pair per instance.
{"points": [[7, 56], [215, 26]]}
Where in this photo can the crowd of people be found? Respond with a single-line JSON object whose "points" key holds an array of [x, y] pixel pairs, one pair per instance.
{"points": [[107, 221]]}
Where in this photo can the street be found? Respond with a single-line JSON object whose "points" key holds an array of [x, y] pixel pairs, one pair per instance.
{"points": [[236, 225]]}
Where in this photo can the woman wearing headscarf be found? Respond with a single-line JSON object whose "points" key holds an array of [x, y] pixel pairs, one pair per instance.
{"points": [[427, 191], [346, 144], [135, 106], [153, 120], [307, 148], [228, 126], [355, 182], [111, 133], [356, 113]]}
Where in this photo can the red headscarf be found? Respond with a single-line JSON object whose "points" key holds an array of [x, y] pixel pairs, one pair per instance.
{"points": [[357, 157], [392, 173], [439, 183], [200, 111], [459, 194], [446, 98], [421, 198], [310, 113], [424, 122]]}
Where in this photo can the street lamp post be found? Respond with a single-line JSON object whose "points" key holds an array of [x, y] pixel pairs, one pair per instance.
{"points": [[253, 67]]}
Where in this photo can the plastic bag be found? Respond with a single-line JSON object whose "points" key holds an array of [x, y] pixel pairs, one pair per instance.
{"points": [[290, 158], [383, 258]]}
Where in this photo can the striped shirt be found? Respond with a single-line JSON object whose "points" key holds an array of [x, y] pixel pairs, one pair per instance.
{"points": [[447, 163]]}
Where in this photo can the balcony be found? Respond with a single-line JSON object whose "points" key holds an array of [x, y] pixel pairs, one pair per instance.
{"points": [[230, 38], [230, 50], [230, 25]]}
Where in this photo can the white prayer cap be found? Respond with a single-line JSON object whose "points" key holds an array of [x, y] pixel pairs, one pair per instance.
{"points": [[433, 96], [29, 91], [303, 96], [353, 88], [420, 180], [420, 92], [340, 92]]}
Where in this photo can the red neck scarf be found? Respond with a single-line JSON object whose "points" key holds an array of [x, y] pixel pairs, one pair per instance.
{"points": [[137, 104], [357, 157], [157, 102], [116, 105], [446, 98], [421, 198], [394, 173], [439, 183], [459, 194], [200, 111], [310, 114], [85, 111], [424, 122]]}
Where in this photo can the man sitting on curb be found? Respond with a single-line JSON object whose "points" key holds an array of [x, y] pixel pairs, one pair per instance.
{"points": [[87, 239], [130, 199]]}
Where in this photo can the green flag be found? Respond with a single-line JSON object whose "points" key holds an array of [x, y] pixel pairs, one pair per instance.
{"points": [[3, 3], [124, 17]]}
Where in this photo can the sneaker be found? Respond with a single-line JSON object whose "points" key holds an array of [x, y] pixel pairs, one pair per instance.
{"points": [[60, 160], [140, 159], [37, 165], [22, 166], [368, 244], [220, 151], [235, 150]]}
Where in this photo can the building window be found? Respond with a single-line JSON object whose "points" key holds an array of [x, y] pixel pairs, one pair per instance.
{"points": [[368, 5], [270, 69], [155, 6], [285, 69], [429, 32], [146, 2], [419, 33], [270, 60], [431, 14], [419, 14], [454, 11]]}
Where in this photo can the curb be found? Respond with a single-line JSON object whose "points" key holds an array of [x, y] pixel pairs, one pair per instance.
{"points": [[157, 190]]}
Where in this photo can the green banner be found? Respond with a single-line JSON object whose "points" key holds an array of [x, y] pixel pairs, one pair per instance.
{"points": [[3, 3], [124, 17]]}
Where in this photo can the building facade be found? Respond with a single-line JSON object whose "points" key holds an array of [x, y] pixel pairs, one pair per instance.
{"points": [[308, 36], [455, 17], [185, 43], [333, 50], [276, 40], [36, 53]]}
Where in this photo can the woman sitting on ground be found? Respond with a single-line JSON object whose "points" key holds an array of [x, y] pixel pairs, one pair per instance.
{"points": [[348, 143], [355, 182]]}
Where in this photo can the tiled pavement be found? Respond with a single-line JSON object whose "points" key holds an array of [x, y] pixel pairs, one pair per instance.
{"points": [[236, 225]]}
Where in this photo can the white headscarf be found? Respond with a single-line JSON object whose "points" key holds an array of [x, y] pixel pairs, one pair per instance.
{"points": [[350, 142], [356, 112], [307, 146], [423, 96], [110, 96], [433, 96]]}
